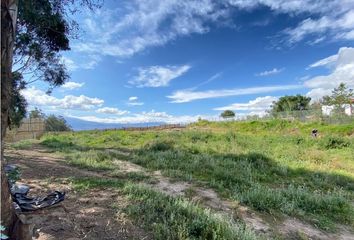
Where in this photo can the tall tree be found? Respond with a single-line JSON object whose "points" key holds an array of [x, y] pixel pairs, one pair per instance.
{"points": [[36, 113], [8, 32], [291, 103], [339, 98], [227, 114], [34, 31], [56, 124]]}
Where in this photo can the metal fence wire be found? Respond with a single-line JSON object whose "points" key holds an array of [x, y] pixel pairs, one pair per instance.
{"points": [[32, 128]]}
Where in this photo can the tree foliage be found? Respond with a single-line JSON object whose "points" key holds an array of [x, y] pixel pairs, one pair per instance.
{"points": [[56, 124], [43, 30], [227, 114], [36, 113], [18, 103], [291, 103], [340, 96], [53, 123]]}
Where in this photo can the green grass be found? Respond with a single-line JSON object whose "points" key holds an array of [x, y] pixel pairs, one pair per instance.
{"points": [[272, 166], [24, 144], [167, 217], [92, 159], [83, 184], [176, 218]]}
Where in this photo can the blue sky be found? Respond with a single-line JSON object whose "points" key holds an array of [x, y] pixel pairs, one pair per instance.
{"points": [[176, 61]]}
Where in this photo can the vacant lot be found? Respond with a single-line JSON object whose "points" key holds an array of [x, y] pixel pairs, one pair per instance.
{"points": [[231, 180]]}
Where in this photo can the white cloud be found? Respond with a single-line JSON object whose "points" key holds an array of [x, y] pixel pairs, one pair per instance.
{"points": [[72, 85], [342, 66], [69, 63], [183, 96], [148, 117], [337, 25], [110, 110], [89, 62], [145, 24], [328, 61], [138, 25], [133, 101], [212, 78], [134, 98], [270, 72], [318, 93], [158, 76], [36, 97], [260, 104]]}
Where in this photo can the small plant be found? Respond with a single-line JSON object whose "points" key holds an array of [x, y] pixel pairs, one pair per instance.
{"points": [[159, 145], [23, 144], [14, 175], [92, 159], [333, 142]]}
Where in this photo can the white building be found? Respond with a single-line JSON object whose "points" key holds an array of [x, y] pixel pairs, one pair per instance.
{"points": [[348, 109]]}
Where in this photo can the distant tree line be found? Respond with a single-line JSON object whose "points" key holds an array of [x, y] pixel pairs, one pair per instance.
{"points": [[339, 97], [53, 123]]}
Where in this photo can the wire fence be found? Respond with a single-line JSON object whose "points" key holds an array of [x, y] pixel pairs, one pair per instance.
{"points": [[30, 128], [302, 116], [34, 128]]}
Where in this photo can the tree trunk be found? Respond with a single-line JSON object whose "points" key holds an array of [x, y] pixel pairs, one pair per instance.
{"points": [[8, 26]]}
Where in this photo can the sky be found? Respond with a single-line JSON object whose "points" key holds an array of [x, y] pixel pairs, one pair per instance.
{"points": [[176, 61]]}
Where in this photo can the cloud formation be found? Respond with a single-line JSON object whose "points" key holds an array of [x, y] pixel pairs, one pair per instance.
{"points": [[133, 101], [333, 25], [110, 110], [148, 117], [89, 62], [269, 72], [138, 25], [183, 96], [37, 97], [158, 76], [342, 71], [72, 85], [260, 104]]}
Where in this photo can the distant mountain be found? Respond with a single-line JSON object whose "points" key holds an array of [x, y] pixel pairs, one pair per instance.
{"points": [[78, 124]]}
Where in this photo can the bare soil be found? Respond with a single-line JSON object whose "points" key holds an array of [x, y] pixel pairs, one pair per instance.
{"points": [[91, 215], [88, 215]]}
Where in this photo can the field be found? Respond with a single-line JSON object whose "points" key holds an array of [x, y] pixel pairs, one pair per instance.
{"points": [[229, 180]]}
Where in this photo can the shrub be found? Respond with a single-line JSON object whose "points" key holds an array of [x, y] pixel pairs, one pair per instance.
{"points": [[160, 145], [333, 142]]}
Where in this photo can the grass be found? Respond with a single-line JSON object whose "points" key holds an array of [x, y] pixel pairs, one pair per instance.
{"points": [[176, 218], [91, 159], [167, 217], [272, 166], [83, 184], [24, 144]]}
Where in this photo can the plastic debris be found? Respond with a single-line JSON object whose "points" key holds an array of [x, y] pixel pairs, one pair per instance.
{"points": [[25, 203]]}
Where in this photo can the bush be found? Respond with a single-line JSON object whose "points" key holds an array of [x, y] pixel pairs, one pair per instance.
{"points": [[160, 145], [333, 142]]}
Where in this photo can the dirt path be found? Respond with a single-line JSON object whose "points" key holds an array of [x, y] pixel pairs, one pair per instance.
{"points": [[289, 228], [91, 216], [88, 215]]}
